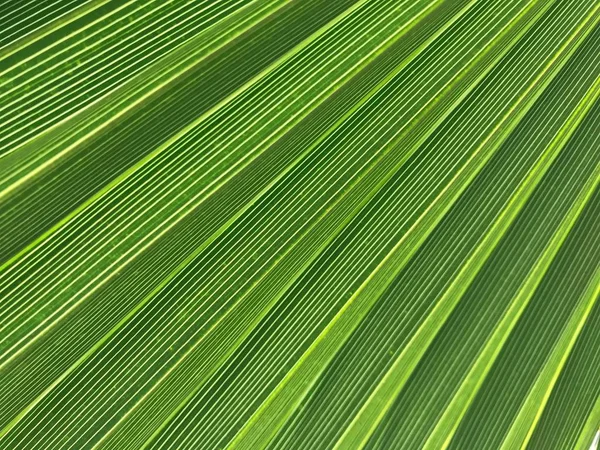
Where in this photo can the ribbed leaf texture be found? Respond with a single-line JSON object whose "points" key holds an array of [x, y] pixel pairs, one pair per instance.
{"points": [[299, 224]]}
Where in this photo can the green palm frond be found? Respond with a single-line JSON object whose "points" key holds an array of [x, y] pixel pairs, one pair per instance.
{"points": [[299, 224]]}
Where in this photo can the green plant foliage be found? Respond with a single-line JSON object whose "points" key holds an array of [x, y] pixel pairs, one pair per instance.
{"points": [[299, 224]]}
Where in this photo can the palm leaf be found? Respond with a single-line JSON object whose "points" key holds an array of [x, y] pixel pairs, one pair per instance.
{"points": [[299, 224]]}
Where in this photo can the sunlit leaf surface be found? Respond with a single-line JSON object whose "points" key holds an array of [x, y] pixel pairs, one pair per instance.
{"points": [[299, 224]]}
